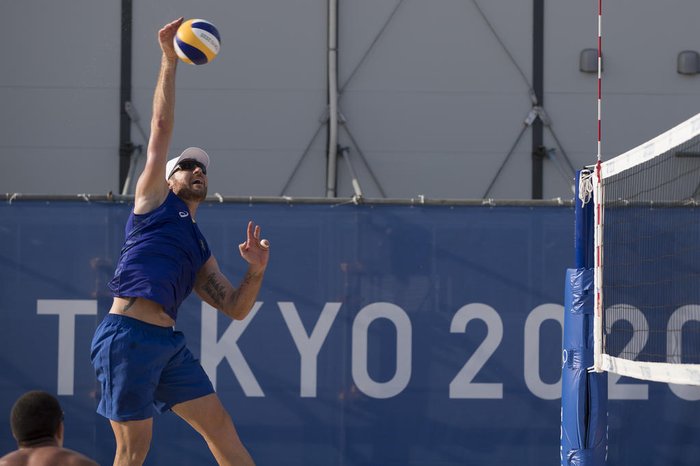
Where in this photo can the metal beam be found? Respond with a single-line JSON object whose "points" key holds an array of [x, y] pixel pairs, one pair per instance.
{"points": [[332, 162], [125, 144], [538, 149]]}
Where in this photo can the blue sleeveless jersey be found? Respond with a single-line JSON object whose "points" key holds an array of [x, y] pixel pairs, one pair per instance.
{"points": [[161, 256]]}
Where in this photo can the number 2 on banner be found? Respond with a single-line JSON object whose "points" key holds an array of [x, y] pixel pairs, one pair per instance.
{"points": [[462, 386], [640, 334]]}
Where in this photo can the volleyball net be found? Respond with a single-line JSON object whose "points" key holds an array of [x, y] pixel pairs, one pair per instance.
{"points": [[647, 259]]}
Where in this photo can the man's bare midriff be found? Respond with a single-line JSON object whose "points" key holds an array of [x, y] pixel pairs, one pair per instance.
{"points": [[142, 309]]}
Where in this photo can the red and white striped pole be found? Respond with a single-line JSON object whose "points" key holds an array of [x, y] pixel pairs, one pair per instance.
{"points": [[598, 214], [600, 73]]}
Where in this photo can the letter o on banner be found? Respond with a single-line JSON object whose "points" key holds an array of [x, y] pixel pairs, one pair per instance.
{"points": [[360, 328]]}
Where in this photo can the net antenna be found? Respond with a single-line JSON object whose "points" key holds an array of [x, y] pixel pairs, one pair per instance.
{"points": [[597, 193], [647, 259]]}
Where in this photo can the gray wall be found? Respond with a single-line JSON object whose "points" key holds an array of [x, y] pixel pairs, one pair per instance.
{"points": [[432, 105], [59, 88]]}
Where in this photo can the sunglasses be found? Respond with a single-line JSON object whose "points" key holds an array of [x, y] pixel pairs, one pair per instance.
{"points": [[190, 165]]}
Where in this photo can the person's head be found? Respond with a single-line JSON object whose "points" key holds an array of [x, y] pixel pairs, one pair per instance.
{"points": [[187, 174], [35, 418]]}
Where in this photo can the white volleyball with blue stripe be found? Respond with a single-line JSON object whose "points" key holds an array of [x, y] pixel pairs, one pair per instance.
{"points": [[197, 42]]}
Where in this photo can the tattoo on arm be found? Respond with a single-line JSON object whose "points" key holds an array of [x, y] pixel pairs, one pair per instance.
{"points": [[249, 277], [128, 305], [246, 279], [215, 289]]}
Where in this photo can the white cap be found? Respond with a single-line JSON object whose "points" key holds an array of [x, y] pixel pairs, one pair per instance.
{"points": [[191, 153]]}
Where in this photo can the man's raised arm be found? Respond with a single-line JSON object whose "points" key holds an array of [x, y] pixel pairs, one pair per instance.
{"points": [[152, 188]]}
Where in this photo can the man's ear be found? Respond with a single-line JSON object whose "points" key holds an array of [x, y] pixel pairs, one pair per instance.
{"points": [[59, 434]]}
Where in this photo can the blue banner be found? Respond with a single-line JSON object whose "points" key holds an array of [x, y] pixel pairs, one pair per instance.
{"points": [[383, 335]]}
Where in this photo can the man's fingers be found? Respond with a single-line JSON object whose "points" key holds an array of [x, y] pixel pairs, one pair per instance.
{"points": [[176, 24], [253, 237], [249, 231]]}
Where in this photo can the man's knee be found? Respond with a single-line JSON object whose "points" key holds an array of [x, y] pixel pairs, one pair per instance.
{"points": [[131, 452], [129, 456], [133, 441]]}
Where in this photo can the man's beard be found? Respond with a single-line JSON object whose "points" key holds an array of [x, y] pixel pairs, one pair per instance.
{"points": [[188, 194]]}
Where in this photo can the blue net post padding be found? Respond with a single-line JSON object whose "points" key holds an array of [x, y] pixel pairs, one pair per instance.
{"points": [[584, 394]]}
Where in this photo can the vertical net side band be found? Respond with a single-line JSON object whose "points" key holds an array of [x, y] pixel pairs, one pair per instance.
{"points": [[598, 270]]}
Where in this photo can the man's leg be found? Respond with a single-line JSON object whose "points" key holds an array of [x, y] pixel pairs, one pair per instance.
{"points": [[208, 417], [133, 441]]}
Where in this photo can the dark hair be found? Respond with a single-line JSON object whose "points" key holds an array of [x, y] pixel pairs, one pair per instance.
{"points": [[35, 416]]}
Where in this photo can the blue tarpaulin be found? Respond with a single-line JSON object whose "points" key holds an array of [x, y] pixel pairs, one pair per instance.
{"points": [[383, 335]]}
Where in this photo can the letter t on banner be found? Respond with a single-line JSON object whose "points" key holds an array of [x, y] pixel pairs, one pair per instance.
{"points": [[66, 309]]}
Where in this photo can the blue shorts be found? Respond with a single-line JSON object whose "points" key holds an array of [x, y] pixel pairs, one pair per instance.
{"points": [[141, 366]]}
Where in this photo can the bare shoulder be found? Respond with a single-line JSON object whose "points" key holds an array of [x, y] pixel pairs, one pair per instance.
{"points": [[145, 202], [48, 456], [151, 186], [14, 458], [73, 458]]}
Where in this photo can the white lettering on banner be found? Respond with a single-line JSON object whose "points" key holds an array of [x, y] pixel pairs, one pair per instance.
{"points": [[66, 309], [462, 385], [633, 316], [531, 363], [674, 346], [214, 351], [360, 327], [309, 345]]}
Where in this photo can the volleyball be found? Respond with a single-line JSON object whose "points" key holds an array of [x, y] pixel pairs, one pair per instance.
{"points": [[197, 42]]}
